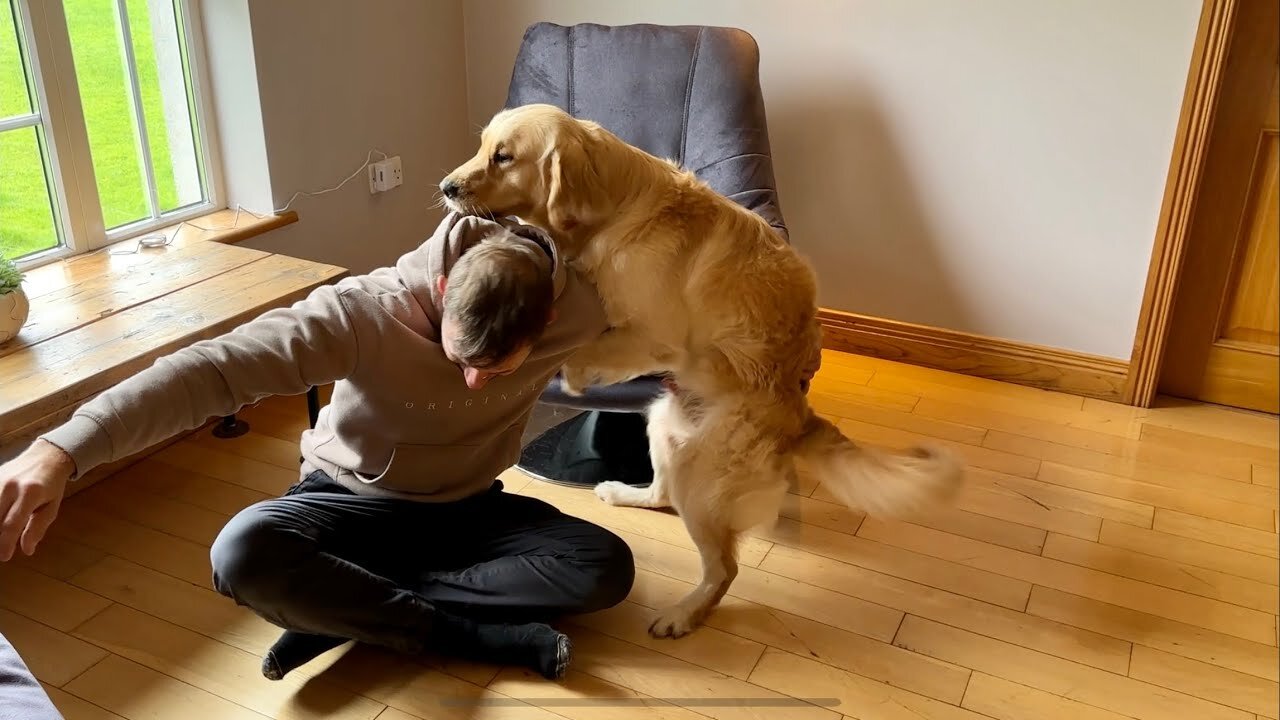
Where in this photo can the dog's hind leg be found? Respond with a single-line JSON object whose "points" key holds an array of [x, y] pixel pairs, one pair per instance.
{"points": [[725, 478], [717, 544], [665, 434], [706, 485]]}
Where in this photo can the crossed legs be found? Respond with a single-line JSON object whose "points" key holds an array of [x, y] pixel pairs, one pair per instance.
{"points": [[481, 575]]}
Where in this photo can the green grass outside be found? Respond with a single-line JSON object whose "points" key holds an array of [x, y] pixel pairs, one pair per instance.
{"points": [[26, 222]]}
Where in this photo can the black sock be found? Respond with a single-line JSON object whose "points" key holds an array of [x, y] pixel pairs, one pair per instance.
{"points": [[537, 646], [293, 650]]}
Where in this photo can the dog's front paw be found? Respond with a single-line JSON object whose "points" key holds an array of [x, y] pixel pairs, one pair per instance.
{"points": [[575, 380], [674, 622], [571, 388]]}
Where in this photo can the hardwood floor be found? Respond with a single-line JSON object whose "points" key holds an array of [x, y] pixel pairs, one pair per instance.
{"points": [[1103, 562]]}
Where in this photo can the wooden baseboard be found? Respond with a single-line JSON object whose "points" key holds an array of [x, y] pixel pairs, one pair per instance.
{"points": [[1006, 360]]}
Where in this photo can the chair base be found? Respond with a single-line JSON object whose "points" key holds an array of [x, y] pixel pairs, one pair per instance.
{"points": [[591, 448], [230, 427], [233, 427]]}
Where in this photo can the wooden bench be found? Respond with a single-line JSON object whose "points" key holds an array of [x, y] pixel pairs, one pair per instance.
{"points": [[100, 317]]}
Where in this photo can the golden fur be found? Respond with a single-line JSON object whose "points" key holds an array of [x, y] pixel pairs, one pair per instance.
{"points": [[695, 286]]}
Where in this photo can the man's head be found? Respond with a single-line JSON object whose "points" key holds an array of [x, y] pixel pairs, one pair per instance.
{"points": [[497, 302]]}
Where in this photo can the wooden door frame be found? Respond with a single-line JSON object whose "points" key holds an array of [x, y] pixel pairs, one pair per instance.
{"points": [[1177, 210]]}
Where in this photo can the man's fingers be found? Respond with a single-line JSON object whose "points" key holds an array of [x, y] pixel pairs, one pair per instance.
{"points": [[8, 495], [39, 524], [15, 522]]}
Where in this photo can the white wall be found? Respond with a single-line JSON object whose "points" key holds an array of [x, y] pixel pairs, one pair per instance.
{"points": [[335, 78], [992, 166], [233, 83]]}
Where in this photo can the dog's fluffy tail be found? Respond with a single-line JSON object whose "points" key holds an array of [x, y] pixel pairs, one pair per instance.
{"points": [[877, 481]]}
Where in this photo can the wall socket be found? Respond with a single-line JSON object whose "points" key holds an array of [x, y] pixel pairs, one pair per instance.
{"points": [[385, 174]]}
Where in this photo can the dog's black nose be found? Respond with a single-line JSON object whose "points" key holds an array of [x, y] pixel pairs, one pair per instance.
{"points": [[450, 189]]}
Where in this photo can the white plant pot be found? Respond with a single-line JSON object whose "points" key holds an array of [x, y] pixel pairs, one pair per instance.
{"points": [[14, 310]]}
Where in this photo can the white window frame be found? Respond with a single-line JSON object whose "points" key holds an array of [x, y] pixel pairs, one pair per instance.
{"points": [[76, 205]]}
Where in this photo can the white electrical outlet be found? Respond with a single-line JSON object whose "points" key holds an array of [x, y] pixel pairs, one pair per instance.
{"points": [[385, 174]]}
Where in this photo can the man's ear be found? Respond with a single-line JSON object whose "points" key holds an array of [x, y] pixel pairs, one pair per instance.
{"points": [[441, 282]]}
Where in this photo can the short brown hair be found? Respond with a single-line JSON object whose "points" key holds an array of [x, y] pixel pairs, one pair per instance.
{"points": [[499, 294]]}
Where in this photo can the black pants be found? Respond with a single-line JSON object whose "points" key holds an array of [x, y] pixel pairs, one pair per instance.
{"points": [[324, 561]]}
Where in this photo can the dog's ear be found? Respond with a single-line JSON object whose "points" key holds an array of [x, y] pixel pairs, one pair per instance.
{"points": [[574, 189]]}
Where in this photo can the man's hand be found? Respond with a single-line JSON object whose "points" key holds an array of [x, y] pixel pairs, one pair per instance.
{"points": [[31, 487]]}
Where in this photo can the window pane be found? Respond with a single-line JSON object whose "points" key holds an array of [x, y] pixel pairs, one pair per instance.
{"points": [[108, 110], [26, 211], [166, 106], [14, 99], [122, 132]]}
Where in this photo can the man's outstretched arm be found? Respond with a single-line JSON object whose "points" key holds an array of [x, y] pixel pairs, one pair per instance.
{"points": [[283, 352]]}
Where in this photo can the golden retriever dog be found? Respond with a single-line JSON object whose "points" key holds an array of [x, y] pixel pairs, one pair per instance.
{"points": [[703, 290]]}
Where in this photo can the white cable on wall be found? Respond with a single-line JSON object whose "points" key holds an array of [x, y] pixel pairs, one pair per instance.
{"points": [[153, 240], [368, 159]]}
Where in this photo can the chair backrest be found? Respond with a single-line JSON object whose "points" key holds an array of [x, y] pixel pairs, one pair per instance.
{"points": [[688, 93]]}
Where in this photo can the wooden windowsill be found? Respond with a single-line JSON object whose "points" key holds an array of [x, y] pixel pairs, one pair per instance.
{"points": [[103, 316], [228, 226]]}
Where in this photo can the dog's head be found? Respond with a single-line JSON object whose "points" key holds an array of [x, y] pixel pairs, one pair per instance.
{"points": [[535, 162]]}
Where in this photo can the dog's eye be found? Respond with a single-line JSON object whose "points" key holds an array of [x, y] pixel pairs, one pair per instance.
{"points": [[501, 158]]}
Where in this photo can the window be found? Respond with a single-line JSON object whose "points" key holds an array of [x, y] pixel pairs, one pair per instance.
{"points": [[101, 132]]}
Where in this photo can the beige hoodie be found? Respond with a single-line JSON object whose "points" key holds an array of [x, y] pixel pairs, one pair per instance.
{"points": [[401, 422]]}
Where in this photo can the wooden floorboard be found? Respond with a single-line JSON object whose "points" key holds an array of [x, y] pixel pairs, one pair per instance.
{"points": [[1102, 562], [1091, 686], [73, 708], [227, 672], [53, 657]]}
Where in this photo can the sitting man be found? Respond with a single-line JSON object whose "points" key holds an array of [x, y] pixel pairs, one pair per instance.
{"points": [[398, 533]]}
